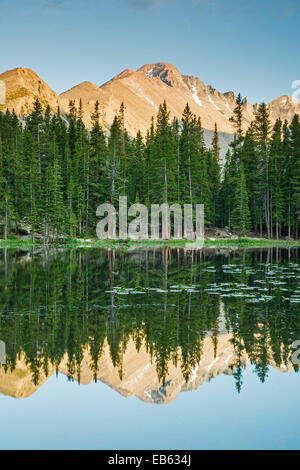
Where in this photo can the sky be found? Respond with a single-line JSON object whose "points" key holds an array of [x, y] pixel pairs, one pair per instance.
{"points": [[249, 47]]}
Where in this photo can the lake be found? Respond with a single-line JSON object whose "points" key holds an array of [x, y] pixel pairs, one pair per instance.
{"points": [[150, 348]]}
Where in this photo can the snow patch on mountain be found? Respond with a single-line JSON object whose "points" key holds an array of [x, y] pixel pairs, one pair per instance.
{"points": [[213, 103], [195, 96], [150, 73], [151, 102]]}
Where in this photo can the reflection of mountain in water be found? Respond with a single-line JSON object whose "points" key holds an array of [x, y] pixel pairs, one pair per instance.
{"points": [[139, 375], [147, 322]]}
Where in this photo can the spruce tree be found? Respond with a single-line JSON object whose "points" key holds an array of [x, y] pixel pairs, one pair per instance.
{"points": [[240, 217], [215, 144], [261, 134], [98, 156], [276, 177]]}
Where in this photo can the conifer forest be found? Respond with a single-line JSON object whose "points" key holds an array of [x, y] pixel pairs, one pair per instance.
{"points": [[54, 171]]}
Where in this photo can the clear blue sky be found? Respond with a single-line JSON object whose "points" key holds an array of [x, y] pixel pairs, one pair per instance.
{"points": [[246, 46]]}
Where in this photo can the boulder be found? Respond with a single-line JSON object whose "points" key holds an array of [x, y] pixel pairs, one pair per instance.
{"points": [[38, 236], [24, 228], [223, 233]]}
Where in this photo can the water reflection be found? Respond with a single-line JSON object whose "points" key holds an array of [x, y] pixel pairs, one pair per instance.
{"points": [[149, 322]]}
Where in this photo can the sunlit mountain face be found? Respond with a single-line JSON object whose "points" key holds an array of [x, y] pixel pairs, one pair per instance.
{"points": [[142, 91], [148, 322]]}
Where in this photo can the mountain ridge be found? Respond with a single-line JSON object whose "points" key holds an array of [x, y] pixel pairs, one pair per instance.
{"points": [[142, 91]]}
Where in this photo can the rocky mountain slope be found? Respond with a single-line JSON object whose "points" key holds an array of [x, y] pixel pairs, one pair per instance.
{"points": [[23, 86], [142, 91]]}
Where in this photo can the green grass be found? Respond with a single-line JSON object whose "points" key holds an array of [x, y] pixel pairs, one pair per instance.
{"points": [[95, 243], [263, 242], [248, 242], [15, 243]]}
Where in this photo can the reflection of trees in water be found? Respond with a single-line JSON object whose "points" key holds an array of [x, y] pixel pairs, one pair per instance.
{"points": [[57, 303]]}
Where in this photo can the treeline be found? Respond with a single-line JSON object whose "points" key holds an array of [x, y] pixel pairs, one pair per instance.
{"points": [[54, 172]]}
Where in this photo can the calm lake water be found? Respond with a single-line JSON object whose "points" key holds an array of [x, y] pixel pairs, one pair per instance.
{"points": [[150, 348]]}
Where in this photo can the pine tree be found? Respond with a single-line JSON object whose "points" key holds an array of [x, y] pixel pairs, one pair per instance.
{"points": [[115, 144], [276, 172], [233, 162], [149, 159], [98, 157], [261, 135], [187, 147], [240, 217], [215, 144], [175, 127], [137, 187], [227, 190], [250, 162], [32, 187], [202, 188], [55, 201], [237, 120], [213, 171]]}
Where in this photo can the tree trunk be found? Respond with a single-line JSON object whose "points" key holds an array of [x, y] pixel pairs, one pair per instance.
{"points": [[6, 220]]}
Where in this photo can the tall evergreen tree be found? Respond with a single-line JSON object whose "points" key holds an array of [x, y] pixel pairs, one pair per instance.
{"points": [[261, 135], [240, 217]]}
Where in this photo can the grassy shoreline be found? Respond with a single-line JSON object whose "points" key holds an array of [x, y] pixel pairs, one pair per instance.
{"points": [[95, 243]]}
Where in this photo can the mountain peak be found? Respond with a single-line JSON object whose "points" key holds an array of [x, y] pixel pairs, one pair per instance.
{"points": [[83, 89], [21, 70], [23, 87], [168, 73], [286, 100], [20, 73]]}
